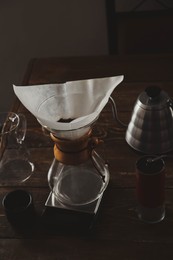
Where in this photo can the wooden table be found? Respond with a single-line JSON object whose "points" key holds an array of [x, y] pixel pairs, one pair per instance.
{"points": [[117, 233]]}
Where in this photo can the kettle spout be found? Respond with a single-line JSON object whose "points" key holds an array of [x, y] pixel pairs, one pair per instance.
{"points": [[115, 113]]}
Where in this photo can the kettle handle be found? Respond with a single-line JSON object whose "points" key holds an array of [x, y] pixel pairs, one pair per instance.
{"points": [[114, 112], [21, 129]]}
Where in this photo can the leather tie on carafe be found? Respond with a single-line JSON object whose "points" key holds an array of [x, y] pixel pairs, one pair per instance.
{"points": [[74, 152]]}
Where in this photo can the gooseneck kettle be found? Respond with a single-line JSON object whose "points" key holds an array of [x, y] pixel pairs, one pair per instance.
{"points": [[150, 130]]}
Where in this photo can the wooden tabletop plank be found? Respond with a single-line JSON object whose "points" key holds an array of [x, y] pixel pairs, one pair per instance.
{"points": [[70, 249], [134, 68], [117, 221]]}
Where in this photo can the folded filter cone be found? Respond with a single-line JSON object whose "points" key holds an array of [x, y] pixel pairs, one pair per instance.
{"points": [[68, 109]]}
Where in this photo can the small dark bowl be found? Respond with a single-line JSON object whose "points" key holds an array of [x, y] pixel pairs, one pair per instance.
{"points": [[19, 209]]}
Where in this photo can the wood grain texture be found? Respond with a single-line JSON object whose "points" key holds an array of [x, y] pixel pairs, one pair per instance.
{"points": [[117, 232]]}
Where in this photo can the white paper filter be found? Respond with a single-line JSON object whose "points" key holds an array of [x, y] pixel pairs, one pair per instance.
{"points": [[80, 100]]}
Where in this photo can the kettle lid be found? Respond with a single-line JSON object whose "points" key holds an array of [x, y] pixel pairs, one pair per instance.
{"points": [[153, 97]]}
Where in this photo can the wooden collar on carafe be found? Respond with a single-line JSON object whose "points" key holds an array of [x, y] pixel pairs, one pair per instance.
{"points": [[74, 152]]}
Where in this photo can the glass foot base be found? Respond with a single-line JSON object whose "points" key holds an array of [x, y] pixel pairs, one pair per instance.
{"points": [[151, 215], [16, 171]]}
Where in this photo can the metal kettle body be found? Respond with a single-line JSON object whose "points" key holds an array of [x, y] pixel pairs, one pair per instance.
{"points": [[150, 130]]}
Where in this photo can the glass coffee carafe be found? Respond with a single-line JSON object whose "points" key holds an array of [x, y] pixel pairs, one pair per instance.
{"points": [[78, 175]]}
